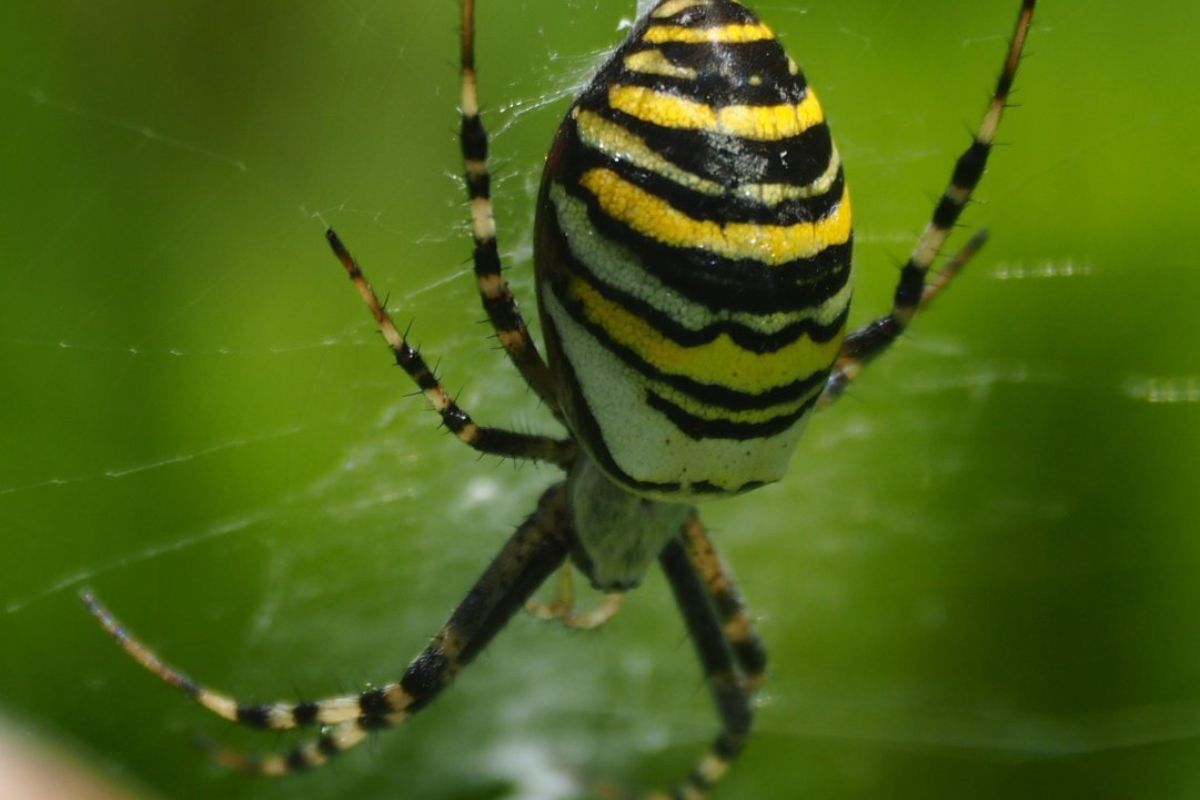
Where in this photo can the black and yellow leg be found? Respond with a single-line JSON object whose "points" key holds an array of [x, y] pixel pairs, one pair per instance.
{"points": [[873, 338], [728, 687], [498, 300], [727, 601], [531, 554], [563, 608], [494, 441], [858, 350]]}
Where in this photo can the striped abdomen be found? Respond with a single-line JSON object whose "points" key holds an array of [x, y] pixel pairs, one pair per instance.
{"points": [[693, 254]]}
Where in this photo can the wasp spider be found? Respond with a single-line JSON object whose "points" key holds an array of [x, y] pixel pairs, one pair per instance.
{"points": [[692, 257]]}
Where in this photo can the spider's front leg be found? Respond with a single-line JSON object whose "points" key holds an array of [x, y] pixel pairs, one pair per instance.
{"points": [[531, 554], [497, 298], [913, 292], [485, 439], [865, 343]]}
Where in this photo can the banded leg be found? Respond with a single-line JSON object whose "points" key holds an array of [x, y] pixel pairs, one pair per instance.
{"points": [[534, 551], [494, 441], [498, 300], [726, 598], [873, 338], [855, 356], [729, 689]]}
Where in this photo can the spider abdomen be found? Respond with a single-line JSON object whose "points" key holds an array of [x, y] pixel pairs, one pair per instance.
{"points": [[693, 254]]}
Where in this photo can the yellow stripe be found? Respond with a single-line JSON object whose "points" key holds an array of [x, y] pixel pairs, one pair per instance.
{"points": [[771, 122], [220, 704], [654, 217], [713, 767], [763, 123], [653, 62], [720, 362], [726, 34]]}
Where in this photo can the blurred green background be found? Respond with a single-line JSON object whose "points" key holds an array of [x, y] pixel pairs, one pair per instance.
{"points": [[978, 580]]}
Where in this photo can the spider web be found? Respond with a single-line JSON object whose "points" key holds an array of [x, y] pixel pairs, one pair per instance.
{"points": [[201, 425]]}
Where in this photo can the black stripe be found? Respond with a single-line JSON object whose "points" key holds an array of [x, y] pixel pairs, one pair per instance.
{"points": [[478, 185], [728, 604], [726, 284], [297, 760], [707, 393], [425, 677], [722, 208], [742, 335], [305, 713], [751, 655], [704, 16], [968, 170], [766, 58], [374, 703], [373, 723], [947, 212], [871, 338], [729, 160], [701, 428], [424, 379], [728, 745], [722, 73], [455, 419], [255, 716], [473, 138], [503, 313], [486, 258], [328, 745], [910, 286]]}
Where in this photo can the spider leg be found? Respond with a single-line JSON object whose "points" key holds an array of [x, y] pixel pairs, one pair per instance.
{"points": [[535, 550], [873, 338], [736, 622], [856, 355], [562, 607], [485, 439], [731, 690], [498, 300]]}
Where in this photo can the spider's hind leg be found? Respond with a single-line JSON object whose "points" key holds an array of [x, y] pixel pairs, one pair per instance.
{"points": [[530, 555], [734, 617], [729, 682]]}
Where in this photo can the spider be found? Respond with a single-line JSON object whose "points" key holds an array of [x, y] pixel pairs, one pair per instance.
{"points": [[692, 260]]}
